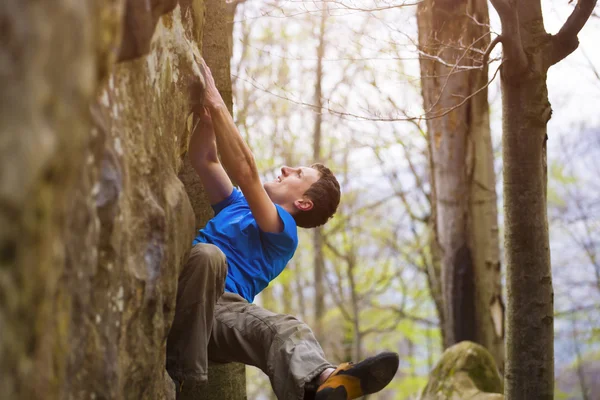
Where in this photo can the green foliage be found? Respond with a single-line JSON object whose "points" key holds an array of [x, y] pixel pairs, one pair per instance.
{"points": [[558, 179], [408, 387], [560, 395]]}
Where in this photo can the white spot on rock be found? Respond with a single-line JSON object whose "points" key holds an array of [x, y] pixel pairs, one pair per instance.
{"points": [[96, 189], [98, 318], [104, 99], [119, 300], [118, 147], [497, 313], [90, 159]]}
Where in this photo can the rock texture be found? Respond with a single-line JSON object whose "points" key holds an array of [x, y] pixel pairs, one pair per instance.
{"points": [[94, 222], [465, 371]]}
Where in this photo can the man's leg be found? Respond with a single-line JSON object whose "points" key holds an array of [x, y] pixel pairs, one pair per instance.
{"points": [[280, 345], [200, 285]]}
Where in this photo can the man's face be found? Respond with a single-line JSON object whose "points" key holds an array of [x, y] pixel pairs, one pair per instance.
{"points": [[291, 185]]}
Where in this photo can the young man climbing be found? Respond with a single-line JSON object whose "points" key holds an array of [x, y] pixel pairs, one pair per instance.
{"points": [[247, 244]]}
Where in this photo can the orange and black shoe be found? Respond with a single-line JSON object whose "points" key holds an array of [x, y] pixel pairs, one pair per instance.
{"points": [[350, 381]]}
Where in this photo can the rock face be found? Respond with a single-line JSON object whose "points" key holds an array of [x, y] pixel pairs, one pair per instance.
{"points": [[94, 222], [465, 371]]}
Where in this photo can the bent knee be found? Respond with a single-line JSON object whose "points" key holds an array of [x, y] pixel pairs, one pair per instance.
{"points": [[289, 327], [207, 255]]}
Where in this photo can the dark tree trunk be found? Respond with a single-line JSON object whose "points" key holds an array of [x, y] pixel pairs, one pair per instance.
{"points": [[528, 52], [226, 381], [319, 258]]}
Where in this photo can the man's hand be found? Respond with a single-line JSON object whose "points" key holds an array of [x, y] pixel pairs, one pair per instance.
{"points": [[212, 97], [204, 120]]}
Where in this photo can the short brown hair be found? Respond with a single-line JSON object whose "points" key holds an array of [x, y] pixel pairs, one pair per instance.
{"points": [[325, 195]]}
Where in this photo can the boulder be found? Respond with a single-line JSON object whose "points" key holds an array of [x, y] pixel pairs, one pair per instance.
{"points": [[465, 371], [95, 223]]}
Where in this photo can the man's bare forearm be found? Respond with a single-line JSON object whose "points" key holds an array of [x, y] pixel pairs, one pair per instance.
{"points": [[203, 145], [236, 156], [203, 157]]}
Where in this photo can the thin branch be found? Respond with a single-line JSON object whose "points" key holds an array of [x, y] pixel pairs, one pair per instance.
{"points": [[342, 219], [394, 181], [576, 20], [565, 41], [486, 55], [454, 66], [592, 66], [343, 6], [352, 116], [402, 314]]}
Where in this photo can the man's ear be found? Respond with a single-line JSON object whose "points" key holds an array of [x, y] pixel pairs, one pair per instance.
{"points": [[304, 204]]}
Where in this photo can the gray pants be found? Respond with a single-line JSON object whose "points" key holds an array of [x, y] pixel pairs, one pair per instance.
{"points": [[224, 327]]}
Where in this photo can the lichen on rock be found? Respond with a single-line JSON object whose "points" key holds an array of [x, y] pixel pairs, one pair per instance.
{"points": [[465, 371]]}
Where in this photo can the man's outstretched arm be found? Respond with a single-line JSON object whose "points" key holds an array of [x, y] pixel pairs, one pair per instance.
{"points": [[239, 160], [203, 157]]}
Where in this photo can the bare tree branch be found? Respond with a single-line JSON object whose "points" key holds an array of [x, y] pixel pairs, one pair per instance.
{"points": [[352, 116], [595, 70], [402, 314], [514, 56], [565, 41], [486, 55], [503, 7]]}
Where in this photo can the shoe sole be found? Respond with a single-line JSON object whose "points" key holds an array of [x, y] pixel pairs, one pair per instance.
{"points": [[381, 369], [375, 374], [339, 393]]}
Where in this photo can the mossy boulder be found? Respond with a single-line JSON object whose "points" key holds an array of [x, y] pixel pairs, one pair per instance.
{"points": [[95, 222], [465, 371]]}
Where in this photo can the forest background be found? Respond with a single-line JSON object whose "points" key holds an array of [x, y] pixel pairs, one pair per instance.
{"points": [[339, 82]]}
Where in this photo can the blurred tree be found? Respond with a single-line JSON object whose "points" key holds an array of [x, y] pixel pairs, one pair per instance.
{"points": [[317, 233], [452, 40]]}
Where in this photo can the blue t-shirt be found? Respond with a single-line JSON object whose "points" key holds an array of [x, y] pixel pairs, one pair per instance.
{"points": [[254, 257]]}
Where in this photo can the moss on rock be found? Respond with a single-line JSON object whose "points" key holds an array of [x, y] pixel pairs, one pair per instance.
{"points": [[465, 371]]}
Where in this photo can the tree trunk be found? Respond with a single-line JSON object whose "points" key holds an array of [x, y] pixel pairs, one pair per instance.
{"points": [[462, 172], [525, 111], [528, 52], [319, 258], [226, 381], [434, 269], [354, 299], [530, 351]]}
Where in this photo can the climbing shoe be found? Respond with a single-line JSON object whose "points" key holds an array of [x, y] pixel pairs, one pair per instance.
{"points": [[350, 381]]}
